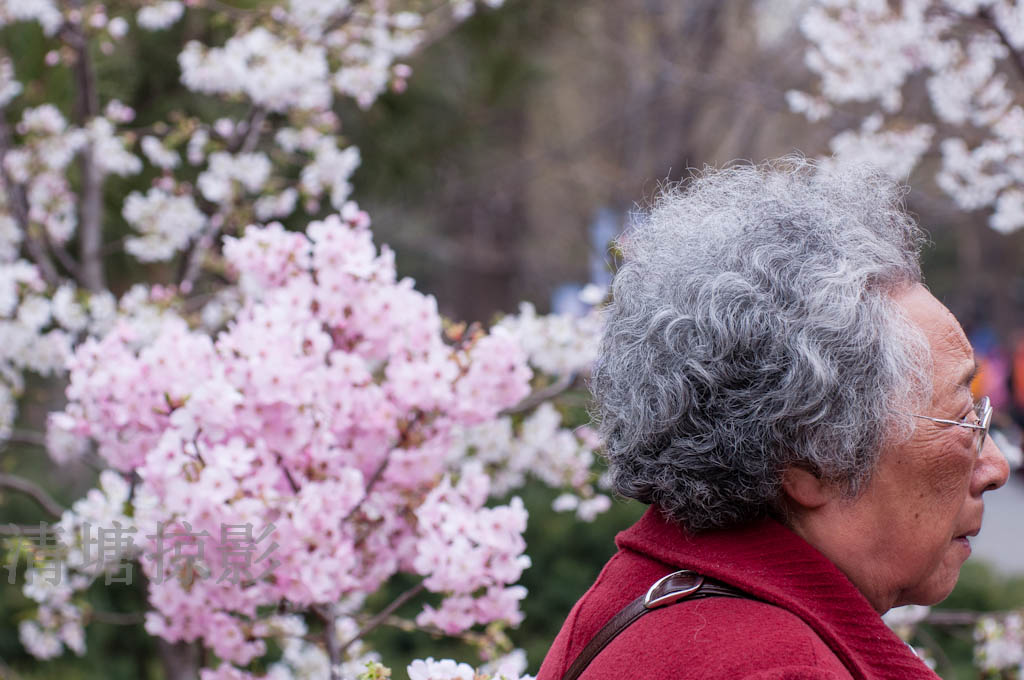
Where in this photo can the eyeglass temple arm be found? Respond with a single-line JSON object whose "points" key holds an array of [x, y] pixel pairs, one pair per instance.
{"points": [[950, 422]]}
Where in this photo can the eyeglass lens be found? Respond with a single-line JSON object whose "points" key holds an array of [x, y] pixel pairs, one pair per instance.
{"points": [[983, 410]]}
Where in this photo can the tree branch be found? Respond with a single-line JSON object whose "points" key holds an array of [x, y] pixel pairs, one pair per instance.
{"points": [[382, 616], [33, 490], [326, 614], [1016, 57], [18, 205], [24, 531], [117, 618], [469, 637], [374, 478], [253, 129], [287, 473], [342, 18], [956, 617], [115, 246], [936, 648], [65, 259], [379, 472], [192, 263], [7, 673], [535, 399], [194, 258], [438, 22], [230, 9], [27, 437], [90, 214]]}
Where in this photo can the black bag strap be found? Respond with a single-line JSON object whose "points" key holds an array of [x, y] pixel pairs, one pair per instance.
{"points": [[675, 587]]}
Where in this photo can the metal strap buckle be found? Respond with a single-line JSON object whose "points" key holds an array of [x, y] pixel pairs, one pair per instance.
{"points": [[676, 592]]}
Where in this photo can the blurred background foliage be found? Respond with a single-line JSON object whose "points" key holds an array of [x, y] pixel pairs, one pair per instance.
{"points": [[487, 176]]}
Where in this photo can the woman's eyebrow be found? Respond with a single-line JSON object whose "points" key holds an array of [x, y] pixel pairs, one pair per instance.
{"points": [[969, 376]]}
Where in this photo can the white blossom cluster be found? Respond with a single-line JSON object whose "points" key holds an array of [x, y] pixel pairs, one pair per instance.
{"points": [[10, 234], [159, 15], [537, 446], [48, 146], [110, 152], [903, 619], [897, 150], [101, 508], [166, 222], [72, 562], [36, 331], [557, 344], [291, 60], [303, 660], [999, 643], [330, 170], [869, 51], [39, 164], [310, 54], [9, 87], [43, 11], [227, 173], [264, 67], [509, 667], [55, 627], [159, 155]]}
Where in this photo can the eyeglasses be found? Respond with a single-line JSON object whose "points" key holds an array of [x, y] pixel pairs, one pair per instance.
{"points": [[982, 411]]}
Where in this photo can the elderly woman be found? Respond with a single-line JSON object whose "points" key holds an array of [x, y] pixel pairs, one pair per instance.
{"points": [[795, 406]]}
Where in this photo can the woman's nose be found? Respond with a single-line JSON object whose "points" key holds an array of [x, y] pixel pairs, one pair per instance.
{"points": [[992, 469]]}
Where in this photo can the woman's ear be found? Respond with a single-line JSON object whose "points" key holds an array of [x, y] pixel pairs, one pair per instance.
{"points": [[805, 489]]}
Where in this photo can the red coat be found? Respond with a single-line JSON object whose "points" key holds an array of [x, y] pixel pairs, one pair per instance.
{"points": [[817, 626]]}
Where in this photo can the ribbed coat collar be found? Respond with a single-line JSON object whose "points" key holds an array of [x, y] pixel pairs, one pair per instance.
{"points": [[771, 562]]}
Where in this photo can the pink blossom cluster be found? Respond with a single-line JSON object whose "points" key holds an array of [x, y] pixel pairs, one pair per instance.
{"points": [[325, 409], [239, 176], [512, 447], [869, 51], [464, 548]]}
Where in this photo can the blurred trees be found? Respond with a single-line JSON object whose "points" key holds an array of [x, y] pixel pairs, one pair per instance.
{"points": [[529, 122]]}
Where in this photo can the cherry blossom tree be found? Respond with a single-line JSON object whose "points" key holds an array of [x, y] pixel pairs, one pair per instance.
{"points": [[288, 425], [913, 75]]}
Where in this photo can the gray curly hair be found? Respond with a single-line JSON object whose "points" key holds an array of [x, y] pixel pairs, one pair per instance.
{"points": [[752, 328]]}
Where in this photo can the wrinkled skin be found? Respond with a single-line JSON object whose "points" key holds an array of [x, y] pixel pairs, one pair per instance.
{"points": [[904, 539]]}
